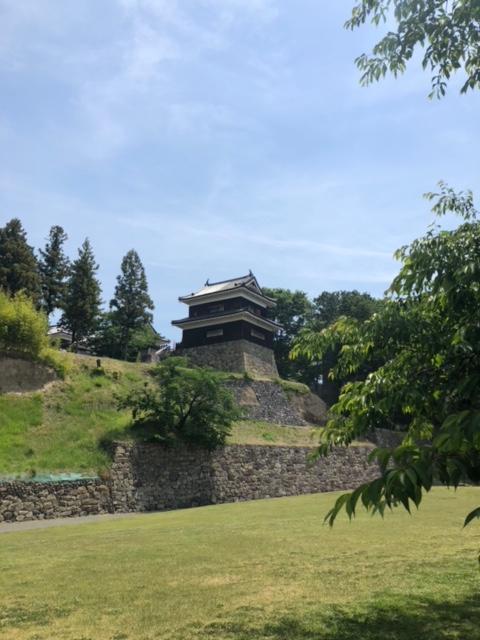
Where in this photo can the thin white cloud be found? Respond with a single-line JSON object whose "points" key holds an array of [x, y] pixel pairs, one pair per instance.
{"points": [[240, 236]]}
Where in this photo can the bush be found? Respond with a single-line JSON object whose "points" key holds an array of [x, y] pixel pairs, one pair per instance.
{"points": [[23, 329], [23, 332], [188, 405]]}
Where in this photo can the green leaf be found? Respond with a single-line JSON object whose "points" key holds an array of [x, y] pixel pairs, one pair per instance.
{"points": [[471, 516]]}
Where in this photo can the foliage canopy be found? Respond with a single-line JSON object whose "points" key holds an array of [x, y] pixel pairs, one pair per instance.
{"points": [[23, 332], [183, 404], [448, 33], [23, 329], [54, 268], [82, 300], [18, 265], [131, 305], [294, 311], [422, 349], [107, 339]]}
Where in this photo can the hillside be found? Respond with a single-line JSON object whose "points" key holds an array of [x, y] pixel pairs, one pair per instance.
{"points": [[61, 429]]}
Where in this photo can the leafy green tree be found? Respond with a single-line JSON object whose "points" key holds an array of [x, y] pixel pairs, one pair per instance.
{"points": [[107, 339], [423, 350], [83, 295], [54, 268], [183, 405], [131, 304], [141, 340], [448, 33], [18, 265], [329, 307], [293, 311]]}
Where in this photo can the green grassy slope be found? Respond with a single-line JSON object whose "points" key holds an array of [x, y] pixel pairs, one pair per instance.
{"points": [[264, 570], [60, 429]]}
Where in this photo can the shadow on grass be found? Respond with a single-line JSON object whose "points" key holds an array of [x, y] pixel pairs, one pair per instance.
{"points": [[415, 619]]}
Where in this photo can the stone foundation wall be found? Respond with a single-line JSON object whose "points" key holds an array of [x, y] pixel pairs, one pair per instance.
{"points": [[17, 375], [266, 401], [42, 500], [238, 356], [148, 477], [153, 478], [253, 472]]}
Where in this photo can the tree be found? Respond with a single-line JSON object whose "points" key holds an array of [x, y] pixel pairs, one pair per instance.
{"points": [[448, 33], [329, 307], [184, 405], [131, 304], [293, 311], [141, 340], [423, 349], [83, 295], [18, 265], [107, 339], [54, 267]]}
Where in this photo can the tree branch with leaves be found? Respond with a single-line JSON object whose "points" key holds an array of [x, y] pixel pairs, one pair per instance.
{"points": [[423, 351], [448, 33]]}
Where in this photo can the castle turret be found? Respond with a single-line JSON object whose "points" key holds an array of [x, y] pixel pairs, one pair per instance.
{"points": [[227, 327]]}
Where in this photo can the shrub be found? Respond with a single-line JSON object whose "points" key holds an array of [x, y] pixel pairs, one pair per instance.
{"points": [[183, 404], [23, 329], [23, 332]]}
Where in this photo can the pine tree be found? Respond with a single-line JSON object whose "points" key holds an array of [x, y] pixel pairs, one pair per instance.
{"points": [[83, 295], [131, 304], [18, 264], [54, 267]]}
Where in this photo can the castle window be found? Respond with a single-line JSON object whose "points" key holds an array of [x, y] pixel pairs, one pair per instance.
{"points": [[257, 334], [214, 333], [216, 308]]}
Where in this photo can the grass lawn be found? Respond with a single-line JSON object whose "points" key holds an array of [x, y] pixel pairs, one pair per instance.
{"points": [[266, 433], [260, 570], [61, 429]]}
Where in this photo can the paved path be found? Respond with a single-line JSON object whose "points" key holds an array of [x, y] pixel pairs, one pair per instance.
{"points": [[11, 527]]}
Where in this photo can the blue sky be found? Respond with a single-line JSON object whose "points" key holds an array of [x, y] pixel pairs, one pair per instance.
{"points": [[217, 136]]}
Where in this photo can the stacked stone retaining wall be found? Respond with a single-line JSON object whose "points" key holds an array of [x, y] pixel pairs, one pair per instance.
{"points": [[240, 356], [148, 477], [18, 375], [21, 501], [267, 401]]}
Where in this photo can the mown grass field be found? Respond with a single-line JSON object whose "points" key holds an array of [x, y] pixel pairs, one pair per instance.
{"points": [[62, 428], [260, 570]]}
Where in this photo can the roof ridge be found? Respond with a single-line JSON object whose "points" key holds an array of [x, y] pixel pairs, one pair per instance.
{"points": [[213, 284]]}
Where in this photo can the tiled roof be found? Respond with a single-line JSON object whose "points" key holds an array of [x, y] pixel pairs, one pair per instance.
{"points": [[249, 281]]}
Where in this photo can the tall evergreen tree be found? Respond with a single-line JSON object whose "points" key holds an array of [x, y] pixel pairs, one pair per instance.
{"points": [[54, 267], [83, 295], [131, 304], [18, 265]]}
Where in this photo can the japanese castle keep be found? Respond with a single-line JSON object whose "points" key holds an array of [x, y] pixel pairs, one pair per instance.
{"points": [[227, 327]]}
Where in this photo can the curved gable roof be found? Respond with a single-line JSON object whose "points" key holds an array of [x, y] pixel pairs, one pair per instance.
{"points": [[224, 286]]}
